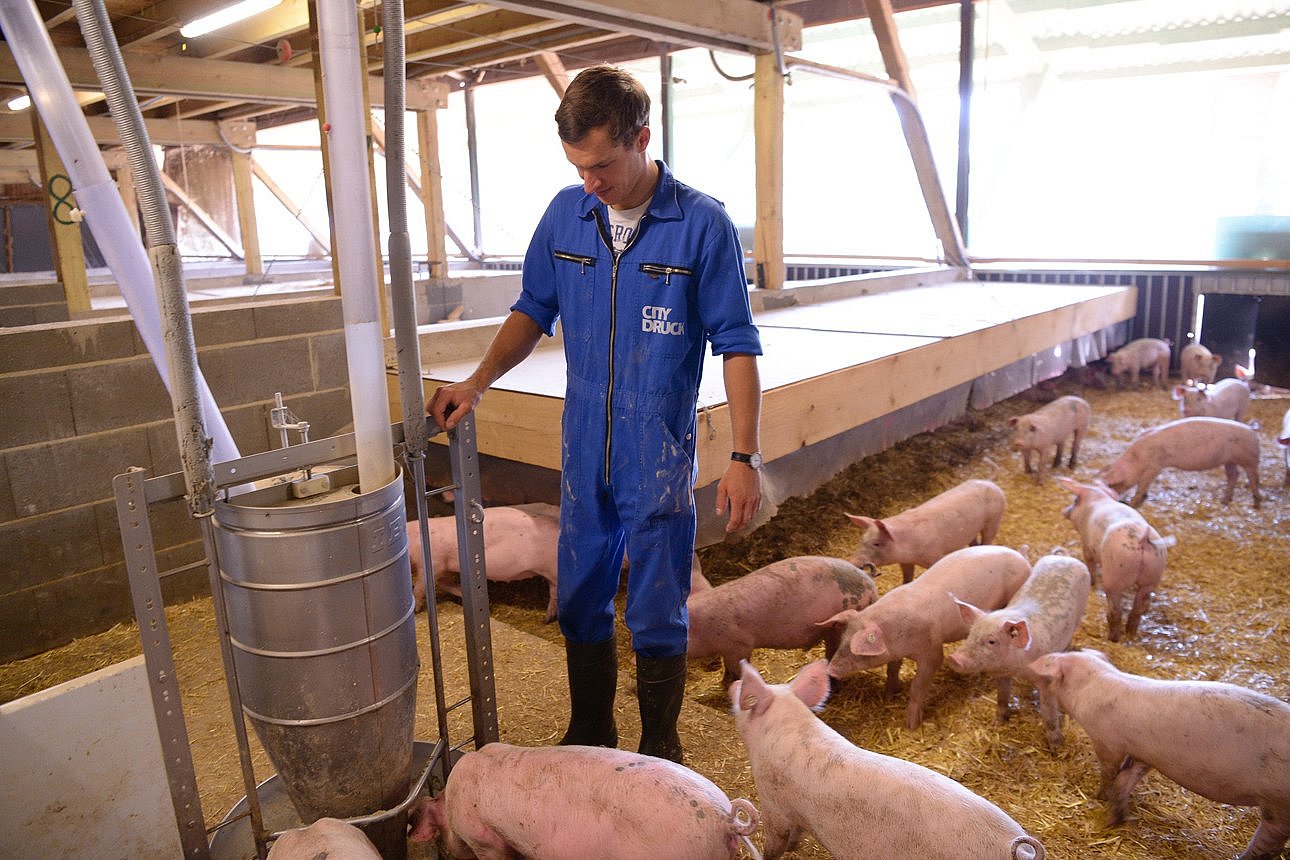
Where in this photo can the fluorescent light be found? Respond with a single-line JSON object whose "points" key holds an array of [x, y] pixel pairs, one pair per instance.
{"points": [[19, 103], [224, 17]]}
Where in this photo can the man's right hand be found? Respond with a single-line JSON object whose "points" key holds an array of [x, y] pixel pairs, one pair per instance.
{"points": [[451, 403]]}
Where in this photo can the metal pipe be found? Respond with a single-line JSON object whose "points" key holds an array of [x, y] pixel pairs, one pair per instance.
{"points": [[665, 100], [967, 59], [472, 153]]}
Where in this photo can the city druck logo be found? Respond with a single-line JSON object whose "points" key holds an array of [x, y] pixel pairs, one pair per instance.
{"points": [[654, 319]]}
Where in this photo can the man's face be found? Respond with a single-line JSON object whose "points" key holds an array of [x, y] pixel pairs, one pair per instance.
{"points": [[619, 175]]}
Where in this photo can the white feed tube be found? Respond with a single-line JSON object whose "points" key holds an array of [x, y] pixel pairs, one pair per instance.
{"points": [[97, 196], [355, 241]]}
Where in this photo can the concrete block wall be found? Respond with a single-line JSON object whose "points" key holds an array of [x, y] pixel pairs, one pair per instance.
{"points": [[83, 403]]}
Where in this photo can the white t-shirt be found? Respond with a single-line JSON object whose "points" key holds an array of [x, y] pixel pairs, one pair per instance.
{"points": [[623, 224]]}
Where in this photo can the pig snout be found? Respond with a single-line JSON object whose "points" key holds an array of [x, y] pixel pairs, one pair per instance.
{"points": [[427, 819]]}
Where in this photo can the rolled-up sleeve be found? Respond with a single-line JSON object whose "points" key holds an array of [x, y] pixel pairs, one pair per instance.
{"points": [[538, 297], [723, 294]]}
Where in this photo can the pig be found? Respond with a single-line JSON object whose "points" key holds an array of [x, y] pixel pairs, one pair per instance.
{"points": [[328, 838], [915, 619], [856, 803], [1198, 364], [776, 606], [1123, 552], [1041, 617], [1193, 444], [1284, 441], [962, 515], [1146, 353], [1222, 741], [519, 542], [575, 802], [1046, 429], [1227, 399]]}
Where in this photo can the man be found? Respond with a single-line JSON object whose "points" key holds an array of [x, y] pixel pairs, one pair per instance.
{"points": [[642, 271]]}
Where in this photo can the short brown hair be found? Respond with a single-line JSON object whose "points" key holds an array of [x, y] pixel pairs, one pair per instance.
{"points": [[603, 96]]}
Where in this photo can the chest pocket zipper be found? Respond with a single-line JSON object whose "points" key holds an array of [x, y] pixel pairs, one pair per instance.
{"points": [[655, 270], [582, 260]]}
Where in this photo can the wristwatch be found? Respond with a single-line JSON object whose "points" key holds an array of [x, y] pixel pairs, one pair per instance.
{"points": [[753, 459]]}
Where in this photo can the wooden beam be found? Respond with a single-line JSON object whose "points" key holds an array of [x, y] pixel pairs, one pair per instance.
{"points": [[24, 159], [324, 243], [553, 70], [244, 196], [768, 134], [64, 228], [205, 218], [163, 132], [192, 77], [129, 195], [727, 25], [893, 56], [325, 140], [431, 193]]}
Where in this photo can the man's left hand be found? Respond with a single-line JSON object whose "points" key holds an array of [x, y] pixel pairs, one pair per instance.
{"points": [[740, 488]]}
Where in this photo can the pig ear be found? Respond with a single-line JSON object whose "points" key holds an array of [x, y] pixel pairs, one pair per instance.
{"points": [[868, 641], [843, 618], [1071, 485], [967, 611], [812, 685], [861, 522], [1047, 667], [753, 693], [1179, 391], [883, 533], [1012, 422], [1018, 633]]}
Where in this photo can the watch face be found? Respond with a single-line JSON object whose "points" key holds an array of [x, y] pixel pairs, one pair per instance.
{"points": [[755, 461]]}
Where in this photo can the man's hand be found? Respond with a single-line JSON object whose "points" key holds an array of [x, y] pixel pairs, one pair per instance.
{"points": [[740, 487], [451, 403]]}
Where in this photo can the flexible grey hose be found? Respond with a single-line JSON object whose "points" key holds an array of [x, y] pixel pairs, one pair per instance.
{"points": [[106, 54]]}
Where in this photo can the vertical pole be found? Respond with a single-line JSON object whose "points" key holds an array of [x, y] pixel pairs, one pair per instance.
{"points": [[432, 192], [665, 100], [473, 153], [244, 197], [323, 139], [64, 232], [967, 51], [768, 131]]}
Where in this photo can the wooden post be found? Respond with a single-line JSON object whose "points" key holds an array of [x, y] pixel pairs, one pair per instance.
{"points": [[893, 56], [246, 224], [551, 66], [768, 131], [64, 232], [432, 191], [324, 141], [129, 194]]}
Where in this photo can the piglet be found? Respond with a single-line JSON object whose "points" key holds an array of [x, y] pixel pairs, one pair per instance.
{"points": [[574, 802], [1146, 353], [519, 542], [915, 620], [1227, 399], [962, 515], [327, 838], [1284, 441], [1224, 742], [1123, 552], [776, 606], [1198, 364], [856, 803], [1041, 617], [1045, 430], [1193, 444]]}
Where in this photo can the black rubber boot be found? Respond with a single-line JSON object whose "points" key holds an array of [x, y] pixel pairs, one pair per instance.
{"points": [[660, 687], [593, 680]]}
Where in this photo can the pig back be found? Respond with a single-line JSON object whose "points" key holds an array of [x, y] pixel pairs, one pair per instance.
{"points": [[1055, 596], [1196, 444], [573, 802], [985, 576]]}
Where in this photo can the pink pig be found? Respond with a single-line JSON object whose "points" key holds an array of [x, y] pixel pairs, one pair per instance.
{"points": [[916, 619], [856, 803], [571, 803], [1046, 429], [1227, 399], [776, 606], [1224, 742], [1041, 617], [519, 542], [1198, 364], [1123, 552], [1193, 444], [1147, 353], [962, 515], [330, 838]]}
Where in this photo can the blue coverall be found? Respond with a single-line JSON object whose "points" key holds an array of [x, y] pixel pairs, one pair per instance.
{"points": [[634, 332]]}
